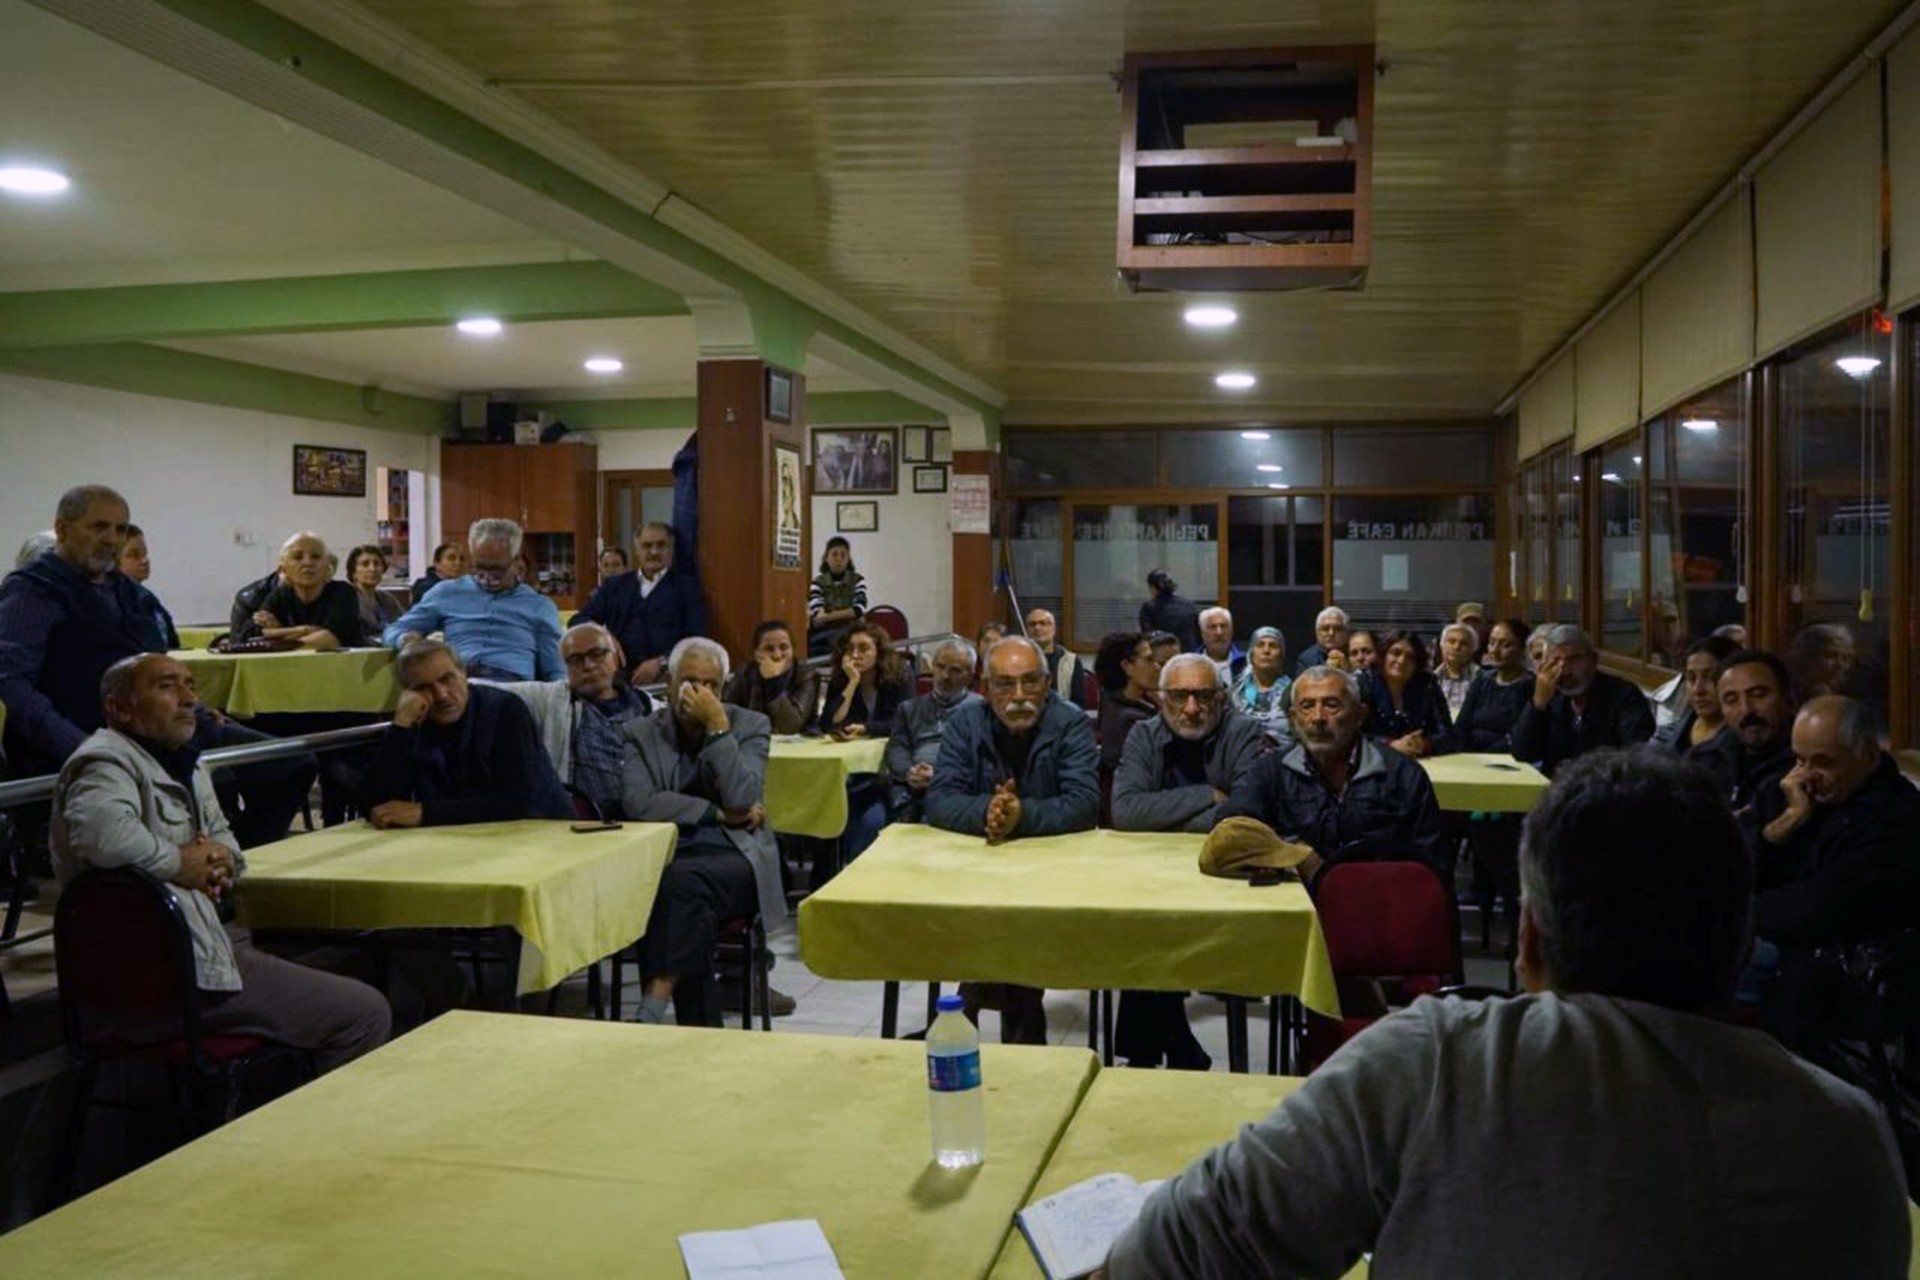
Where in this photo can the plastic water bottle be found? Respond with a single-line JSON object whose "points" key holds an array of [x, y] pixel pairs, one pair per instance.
{"points": [[953, 1088]]}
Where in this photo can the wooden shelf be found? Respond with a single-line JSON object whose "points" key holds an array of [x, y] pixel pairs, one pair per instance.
{"points": [[1223, 157]]}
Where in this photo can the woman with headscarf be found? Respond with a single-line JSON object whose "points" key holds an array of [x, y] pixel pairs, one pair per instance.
{"points": [[1262, 689]]}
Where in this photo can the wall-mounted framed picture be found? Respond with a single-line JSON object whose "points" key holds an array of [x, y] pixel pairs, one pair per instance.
{"points": [[856, 460], [940, 444], [916, 444], [929, 479], [856, 517], [323, 472], [789, 530], [779, 395]]}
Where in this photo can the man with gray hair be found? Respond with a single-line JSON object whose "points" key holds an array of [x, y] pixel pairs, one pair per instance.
{"points": [[701, 764], [1607, 1122], [651, 607], [914, 743], [457, 752], [1576, 707], [1329, 636], [1836, 869], [1216, 642], [1176, 770], [1339, 792], [502, 628]]}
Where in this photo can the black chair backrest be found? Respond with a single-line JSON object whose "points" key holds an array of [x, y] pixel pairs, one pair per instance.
{"points": [[124, 956]]}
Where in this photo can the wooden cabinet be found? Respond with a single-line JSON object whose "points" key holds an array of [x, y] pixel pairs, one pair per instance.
{"points": [[548, 488]]}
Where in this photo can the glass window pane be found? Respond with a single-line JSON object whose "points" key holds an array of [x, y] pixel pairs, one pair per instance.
{"points": [[1394, 456], [1039, 554], [1698, 517], [1564, 476], [1539, 521], [1115, 547], [1242, 459], [1081, 460], [1309, 551], [1835, 437], [1623, 591], [1410, 561]]}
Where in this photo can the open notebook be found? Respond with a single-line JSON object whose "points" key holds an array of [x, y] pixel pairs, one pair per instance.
{"points": [[1071, 1231]]}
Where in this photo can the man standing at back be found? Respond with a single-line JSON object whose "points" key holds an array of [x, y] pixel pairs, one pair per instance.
{"points": [[1607, 1123], [1167, 610], [1576, 707], [650, 609]]}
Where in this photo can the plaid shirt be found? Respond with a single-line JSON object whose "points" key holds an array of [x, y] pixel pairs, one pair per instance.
{"points": [[599, 750]]}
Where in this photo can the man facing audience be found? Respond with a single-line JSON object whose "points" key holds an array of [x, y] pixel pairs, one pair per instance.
{"points": [[1576, 707], [134, 794], [1063, 665], [579, 722], [1176, 770], [502, 628], [1339, 792], [457, 752], [1329, 637], [1216, 642], [1023, 763], [701, 764], [650, 609], [1605, 1123], [919, 725]]}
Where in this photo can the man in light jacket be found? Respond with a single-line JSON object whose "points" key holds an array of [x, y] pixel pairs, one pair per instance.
{"points": [[921, 722], [136, 795], [701, 764]]}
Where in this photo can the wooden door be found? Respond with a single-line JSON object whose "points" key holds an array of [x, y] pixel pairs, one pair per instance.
{"points": [[477, 481], [630, 499]]}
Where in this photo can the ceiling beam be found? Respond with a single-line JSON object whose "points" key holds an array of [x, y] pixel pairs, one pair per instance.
{"points": [[320, 304]]}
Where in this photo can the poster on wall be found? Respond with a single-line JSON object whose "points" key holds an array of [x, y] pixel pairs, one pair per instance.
{"points": [[788, 531], [329, 473], [970, 504]]}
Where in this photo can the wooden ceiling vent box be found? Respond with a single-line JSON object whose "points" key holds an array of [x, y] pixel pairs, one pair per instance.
{"points": [[1246, 168]]}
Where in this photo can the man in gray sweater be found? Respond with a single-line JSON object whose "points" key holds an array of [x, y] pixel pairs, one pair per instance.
{"points": [[1604, 1124]]}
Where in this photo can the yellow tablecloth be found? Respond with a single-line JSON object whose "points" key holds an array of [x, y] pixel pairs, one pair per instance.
{"points": [[494, 1145], [1147, 1125], [1101, 909], [807, 782], [1484, 783], [254, 684], [573, 898], [199, 637]]}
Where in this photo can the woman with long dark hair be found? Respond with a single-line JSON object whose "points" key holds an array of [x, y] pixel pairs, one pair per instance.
{"points": [[869, 683], [1404, 703]]}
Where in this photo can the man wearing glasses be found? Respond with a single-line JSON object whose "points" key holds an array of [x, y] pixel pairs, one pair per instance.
{"points": [[1022, 763], [502, 628]]}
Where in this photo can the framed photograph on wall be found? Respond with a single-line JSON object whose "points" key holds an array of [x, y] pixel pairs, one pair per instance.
{"points": [[856, 460], [929, 479], [916, 444], [789, 529], [856, 517], [940, 444], [323, 472], [779, 395]]}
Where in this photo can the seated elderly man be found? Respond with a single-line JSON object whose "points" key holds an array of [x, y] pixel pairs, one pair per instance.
{"points": [[1175, 772], [502, 628], [1342, 794], [1070, 677], [1836, 869], [579, 722], [1329, 637], [1216, 642], [652, 607], [1576, 707], [1605, 1123], [136, 795], [457, 752], [919, 725], [310, 607], [701, 764], [1023, 763]]}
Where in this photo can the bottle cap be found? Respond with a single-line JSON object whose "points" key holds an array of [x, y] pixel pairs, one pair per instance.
{"points": [[952, 1004]]}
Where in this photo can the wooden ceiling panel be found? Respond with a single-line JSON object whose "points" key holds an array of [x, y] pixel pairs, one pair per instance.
{"points": [[951, 168]]}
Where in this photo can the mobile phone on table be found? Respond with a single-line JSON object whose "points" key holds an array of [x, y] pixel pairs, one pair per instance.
{"points": [[585, 828]]}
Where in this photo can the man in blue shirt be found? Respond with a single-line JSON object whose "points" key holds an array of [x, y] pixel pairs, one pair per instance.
{"points": [[502, 628]]}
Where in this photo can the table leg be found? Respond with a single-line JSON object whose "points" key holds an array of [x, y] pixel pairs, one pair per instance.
{"points": [[1237, 1034], [890, 1011], [1106, 1028], [933, 1003]]}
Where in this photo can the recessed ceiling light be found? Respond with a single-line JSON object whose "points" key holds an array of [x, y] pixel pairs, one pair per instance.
{"points": [[1857, 366], [1269, 466], [1278, 484], [1636, 459], [1234, 381], [30, 180], [1255, 435], [1211, 316], [1700, 424], [1610, 477], [604, 364], [479, 326]]}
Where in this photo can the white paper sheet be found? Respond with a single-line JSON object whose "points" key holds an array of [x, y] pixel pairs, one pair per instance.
{"points": [[1393, 573], [796, 1250]]}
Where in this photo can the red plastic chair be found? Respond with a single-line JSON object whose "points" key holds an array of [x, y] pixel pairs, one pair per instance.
{"points": [[1382, 920], [889, 620]]}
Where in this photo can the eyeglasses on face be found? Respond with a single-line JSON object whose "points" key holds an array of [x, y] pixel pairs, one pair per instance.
{"points": [[599, 653], [1033, 682]]}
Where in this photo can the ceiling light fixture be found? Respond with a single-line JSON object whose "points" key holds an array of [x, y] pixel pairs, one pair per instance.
{"points": [[1857, 366], [479, 326], [31, 180], [604, 364], [1268, 466], [1278, 484], [1611, 477], [1700, 424], [1255, 435], [1234, 382], [1636, 459], [1211, 316]]}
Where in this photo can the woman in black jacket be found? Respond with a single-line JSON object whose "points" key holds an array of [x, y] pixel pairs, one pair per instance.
{"points": [[1495, 700], [1405, 705], [870, 681]]}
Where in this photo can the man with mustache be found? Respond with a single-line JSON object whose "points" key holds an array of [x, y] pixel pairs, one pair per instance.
{"points": [[1748, 762], [1576, 707], [1023, 763], [1339, 792], [1176, 770]]}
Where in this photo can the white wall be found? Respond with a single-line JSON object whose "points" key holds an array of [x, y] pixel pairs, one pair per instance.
{"points": [[908, 563], [638, 448], [212, 487]]}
